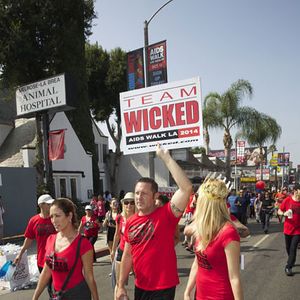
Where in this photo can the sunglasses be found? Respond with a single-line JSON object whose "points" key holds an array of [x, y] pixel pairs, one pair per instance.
{"points": [[128, 202]]}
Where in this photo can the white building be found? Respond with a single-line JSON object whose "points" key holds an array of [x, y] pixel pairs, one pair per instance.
{"points": [[72, 175]]}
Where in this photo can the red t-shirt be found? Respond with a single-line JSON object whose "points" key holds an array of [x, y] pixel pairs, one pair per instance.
{"points": [[233, 218], [61, 262], [152, 247], [101, 209], [93, 231], [39, 229], [120, 220], [212, 281], [189, 207], [291, 226]]}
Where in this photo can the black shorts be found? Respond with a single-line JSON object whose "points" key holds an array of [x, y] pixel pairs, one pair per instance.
{"points": [[110, 234], [119, 254], [166, 294]]}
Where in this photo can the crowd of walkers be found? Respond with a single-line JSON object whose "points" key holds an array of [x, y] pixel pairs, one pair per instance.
{"points": [[142, 230]]}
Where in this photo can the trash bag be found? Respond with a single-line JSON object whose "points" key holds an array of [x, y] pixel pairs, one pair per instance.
{"points": [[7, 270]]}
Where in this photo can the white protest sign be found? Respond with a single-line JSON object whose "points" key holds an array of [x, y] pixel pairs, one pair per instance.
{"points": [[170, 114]]}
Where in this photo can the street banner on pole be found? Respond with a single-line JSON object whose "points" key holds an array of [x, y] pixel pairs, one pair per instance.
{"points": [[251, 158], [135, 69], [240, 151], [283, 159], [170, 114], [157, 63], [274, 160], [56, 144]]}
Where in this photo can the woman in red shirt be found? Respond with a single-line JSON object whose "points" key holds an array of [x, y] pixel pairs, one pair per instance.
{"points": [[128, 209], [216, 269], [90, 226], [61, 250]]}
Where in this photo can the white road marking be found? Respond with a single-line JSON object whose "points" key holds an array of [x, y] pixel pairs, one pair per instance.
{"points": [[260, 241], [242, 258]]}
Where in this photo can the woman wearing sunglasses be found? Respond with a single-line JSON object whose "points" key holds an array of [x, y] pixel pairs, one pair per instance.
{"points": [[128, 209]]}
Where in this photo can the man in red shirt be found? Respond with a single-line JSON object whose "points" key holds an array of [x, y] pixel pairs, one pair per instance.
{"points": [[290, 208], [39, 228], [149, 236]]}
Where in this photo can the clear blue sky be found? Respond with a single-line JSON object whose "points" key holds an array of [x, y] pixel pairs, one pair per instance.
{"points": [[221, 42]]}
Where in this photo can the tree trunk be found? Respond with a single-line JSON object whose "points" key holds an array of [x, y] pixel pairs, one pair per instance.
{"points": [[207, 140], [227, 140], [39, 162], [115, 157], [261, 158]]}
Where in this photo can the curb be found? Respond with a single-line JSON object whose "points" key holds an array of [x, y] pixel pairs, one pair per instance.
{"points": [[102, 252]]}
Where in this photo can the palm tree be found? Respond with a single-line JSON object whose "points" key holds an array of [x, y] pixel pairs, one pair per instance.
{"points": [[258, 130], [225, 111], [209, 121]]}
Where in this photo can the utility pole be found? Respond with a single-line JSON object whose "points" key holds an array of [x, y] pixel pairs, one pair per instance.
{"points": [[146, 44]]}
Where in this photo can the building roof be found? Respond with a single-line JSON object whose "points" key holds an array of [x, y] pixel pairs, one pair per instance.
{"points": [[23, 135], [209, 164]]}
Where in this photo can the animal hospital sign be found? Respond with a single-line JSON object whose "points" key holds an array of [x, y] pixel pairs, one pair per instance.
{"points": [[46, 94]]}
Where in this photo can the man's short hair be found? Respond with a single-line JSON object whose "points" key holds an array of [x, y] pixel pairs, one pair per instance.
{"points": [[154, 185]]}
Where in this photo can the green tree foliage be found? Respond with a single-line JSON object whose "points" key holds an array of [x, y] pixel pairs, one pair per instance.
{"points": [[39, 39], [106, 79], [198, 150], [225, 111], [259, 129]]}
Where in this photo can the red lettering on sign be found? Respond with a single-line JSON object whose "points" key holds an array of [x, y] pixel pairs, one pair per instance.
{"points": [[164, 116], [167, 113], [183, 91], [154, 113]]}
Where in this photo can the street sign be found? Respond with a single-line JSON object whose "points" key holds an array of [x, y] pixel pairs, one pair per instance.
{"points": [[47, 94]]}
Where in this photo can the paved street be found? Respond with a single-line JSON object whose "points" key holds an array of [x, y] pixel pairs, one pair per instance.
{"points": [[263, 276]]}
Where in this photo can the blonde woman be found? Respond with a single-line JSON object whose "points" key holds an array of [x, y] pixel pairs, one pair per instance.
{"points": [[128, 209], [216, 269]]}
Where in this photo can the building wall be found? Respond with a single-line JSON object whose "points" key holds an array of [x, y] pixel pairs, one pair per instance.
{"points": [[18, 191], [29, 156], [134, 166], [101, 143], [75, 170]]}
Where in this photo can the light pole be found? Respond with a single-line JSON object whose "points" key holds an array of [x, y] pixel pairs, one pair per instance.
{"points": [[146, 39], [146, 44]]}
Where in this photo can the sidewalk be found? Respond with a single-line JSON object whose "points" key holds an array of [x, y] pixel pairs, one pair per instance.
{"points": [[101, 248]]}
